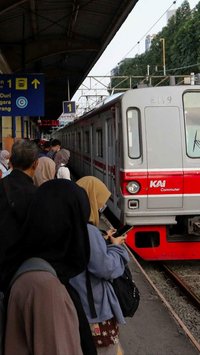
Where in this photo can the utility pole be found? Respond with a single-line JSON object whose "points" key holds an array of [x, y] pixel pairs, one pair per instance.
{"points": [[163, 55]]}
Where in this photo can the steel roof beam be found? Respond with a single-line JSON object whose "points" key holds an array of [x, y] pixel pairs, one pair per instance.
{"points": [[33, 18], [10, 5]]}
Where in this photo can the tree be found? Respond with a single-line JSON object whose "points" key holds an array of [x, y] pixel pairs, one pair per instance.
{"points": [[182, 50]]}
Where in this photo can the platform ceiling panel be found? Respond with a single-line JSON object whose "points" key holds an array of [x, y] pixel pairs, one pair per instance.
{"points": [[61, 38]]}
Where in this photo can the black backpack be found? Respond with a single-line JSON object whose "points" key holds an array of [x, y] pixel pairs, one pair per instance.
{"points": [[127, 293], [125, 289], [32, 264]]}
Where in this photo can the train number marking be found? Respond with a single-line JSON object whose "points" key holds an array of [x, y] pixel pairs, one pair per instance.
{"points": [[161, 100]]}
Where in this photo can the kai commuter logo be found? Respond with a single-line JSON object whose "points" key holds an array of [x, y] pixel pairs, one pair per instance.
{"points": [[157, 183]]}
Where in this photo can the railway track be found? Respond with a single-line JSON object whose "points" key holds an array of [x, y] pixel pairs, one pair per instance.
{"points": [[187, 277], [184, 309]]}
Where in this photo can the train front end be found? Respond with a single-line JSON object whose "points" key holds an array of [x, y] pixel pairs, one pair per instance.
{"points": [[160, 171]]}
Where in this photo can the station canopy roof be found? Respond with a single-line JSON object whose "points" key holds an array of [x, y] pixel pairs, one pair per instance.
{"points": [[61, 38]]}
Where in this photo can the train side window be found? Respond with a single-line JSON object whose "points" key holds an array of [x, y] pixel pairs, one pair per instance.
{"points": [[87, 142], [73, 141], [191, 102], [133, 133], [99, 140], [67, 140], [79, 141]]}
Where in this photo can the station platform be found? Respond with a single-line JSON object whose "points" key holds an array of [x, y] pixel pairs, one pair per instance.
{"points": [[152, 330]]}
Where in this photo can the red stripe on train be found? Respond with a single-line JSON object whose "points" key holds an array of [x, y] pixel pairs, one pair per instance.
{"points": [[163, 183], [155, 182]]}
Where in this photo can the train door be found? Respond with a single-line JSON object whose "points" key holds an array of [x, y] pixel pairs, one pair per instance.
{"points": [[164, 158], [110, 155]]}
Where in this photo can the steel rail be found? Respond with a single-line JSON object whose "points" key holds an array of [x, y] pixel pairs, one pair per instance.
{"points": [[183, 285]]}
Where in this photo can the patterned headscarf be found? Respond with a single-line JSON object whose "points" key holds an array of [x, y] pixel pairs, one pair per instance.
{"points": [[4, 155], [97, 193]]}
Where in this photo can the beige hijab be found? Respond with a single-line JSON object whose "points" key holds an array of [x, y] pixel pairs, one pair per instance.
{"points": [[45, 171], [98, 195]]}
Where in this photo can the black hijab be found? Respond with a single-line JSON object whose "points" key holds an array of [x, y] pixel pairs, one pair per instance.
{"points": [[56, 227], [56, 230]]}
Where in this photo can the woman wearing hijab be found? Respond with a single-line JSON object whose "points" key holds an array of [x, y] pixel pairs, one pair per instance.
{"points": [[63, 173], [107, 262], [61, 158], [45, 171], [4, 162], [38, 300]]}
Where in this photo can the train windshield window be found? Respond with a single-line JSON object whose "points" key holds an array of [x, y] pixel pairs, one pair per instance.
{"points": [[191, 102], [133, 133]]}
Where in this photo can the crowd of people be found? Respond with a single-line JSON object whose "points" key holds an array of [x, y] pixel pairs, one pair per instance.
{"points": [[55, 167], [45, 214]]}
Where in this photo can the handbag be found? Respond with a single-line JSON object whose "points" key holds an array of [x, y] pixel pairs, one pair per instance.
{"points": [[127, 293]]}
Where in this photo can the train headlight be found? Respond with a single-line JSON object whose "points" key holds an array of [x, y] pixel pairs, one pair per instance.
{"points": [[133, 187]]}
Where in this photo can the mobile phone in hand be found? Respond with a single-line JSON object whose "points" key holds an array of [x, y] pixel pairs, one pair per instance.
{"points": [[123, 230]]}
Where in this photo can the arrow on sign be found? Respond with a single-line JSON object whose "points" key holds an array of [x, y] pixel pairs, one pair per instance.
{"points": [[35, 82]]}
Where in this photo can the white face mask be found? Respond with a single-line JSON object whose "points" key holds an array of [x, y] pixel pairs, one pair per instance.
{"points": [[6, 161]]}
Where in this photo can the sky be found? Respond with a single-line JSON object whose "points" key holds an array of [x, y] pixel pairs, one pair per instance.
{"points": [[147, 17]]}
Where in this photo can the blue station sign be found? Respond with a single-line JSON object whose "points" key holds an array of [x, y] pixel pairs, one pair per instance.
{"points": [[69, 107], [21, 94]]}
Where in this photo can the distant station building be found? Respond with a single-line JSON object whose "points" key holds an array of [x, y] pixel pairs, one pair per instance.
{"points": [[148, 41], [170, 13], [149, 37]]}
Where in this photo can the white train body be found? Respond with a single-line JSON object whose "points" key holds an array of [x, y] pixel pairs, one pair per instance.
{"points": [[145, 146]]}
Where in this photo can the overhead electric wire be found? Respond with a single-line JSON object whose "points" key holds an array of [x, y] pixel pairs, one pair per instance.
{"points": [[184, 67], [138, 42], [155, 23]]}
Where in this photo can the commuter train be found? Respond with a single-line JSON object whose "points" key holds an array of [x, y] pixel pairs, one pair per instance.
{"points": [[144, 144]]}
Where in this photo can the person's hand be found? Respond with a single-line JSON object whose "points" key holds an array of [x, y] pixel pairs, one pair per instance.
{"points": [[110, 232], [119, 240]]}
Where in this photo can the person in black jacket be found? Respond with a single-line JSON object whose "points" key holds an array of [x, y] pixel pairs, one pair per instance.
{"points": [[22, 218], [56, 231], [16, 193]]}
